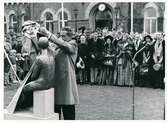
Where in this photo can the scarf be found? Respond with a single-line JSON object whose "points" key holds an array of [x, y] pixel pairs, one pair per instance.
{"points": [[137, 42], [146, 57], [157, 56]]}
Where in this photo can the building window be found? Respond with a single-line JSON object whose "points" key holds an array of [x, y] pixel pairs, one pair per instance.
{"points": [[150, 20], [49, 22], [13, 22], [60, 20], [5, 25]]}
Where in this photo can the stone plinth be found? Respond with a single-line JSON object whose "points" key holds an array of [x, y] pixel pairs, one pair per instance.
{"points": [[43, 103], [43, 108]]}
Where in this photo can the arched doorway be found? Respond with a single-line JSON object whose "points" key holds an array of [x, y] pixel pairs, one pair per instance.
{"points": [[103, 19], [101, 16]]}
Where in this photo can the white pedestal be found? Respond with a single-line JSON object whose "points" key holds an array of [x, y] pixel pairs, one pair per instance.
{"points": [[43, 103], [43, 108]]}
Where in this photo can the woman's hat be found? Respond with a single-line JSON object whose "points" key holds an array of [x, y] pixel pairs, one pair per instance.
{"points": [[110, 37], [148, 36]]}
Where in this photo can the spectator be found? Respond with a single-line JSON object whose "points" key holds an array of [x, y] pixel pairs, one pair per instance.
{"points": [[19, 66], [108, 61], [159, 62], [19, 45], [145, 61], [12, 56], [7, 48], [14, 41], [83, 54], [123, 68], [93, 58]]}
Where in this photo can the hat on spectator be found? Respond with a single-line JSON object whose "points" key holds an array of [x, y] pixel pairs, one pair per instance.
{"points": [[108, 37], [27, 23], [148, 36]]}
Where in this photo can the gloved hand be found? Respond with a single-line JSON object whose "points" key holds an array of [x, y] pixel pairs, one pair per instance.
{"points": [[135, 64], [45, 32]]}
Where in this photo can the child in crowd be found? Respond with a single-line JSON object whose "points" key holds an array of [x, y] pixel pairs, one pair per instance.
{"points": [[12, 56], [19, 65], [6, 66]]}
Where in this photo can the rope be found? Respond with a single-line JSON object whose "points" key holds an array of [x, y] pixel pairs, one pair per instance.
{"points": [[12, 67], [11, 107]]}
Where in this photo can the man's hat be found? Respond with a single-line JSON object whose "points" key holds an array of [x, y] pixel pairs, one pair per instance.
{"points": [[28, 23]]}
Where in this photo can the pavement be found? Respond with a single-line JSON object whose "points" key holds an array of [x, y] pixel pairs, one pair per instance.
{"points": [[112, 102]]}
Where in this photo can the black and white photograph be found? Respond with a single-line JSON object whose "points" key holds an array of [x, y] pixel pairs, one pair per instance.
{"points": [[84, 60]]}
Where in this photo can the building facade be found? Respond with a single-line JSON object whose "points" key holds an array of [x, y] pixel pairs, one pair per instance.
{"points": [[147, 17]]}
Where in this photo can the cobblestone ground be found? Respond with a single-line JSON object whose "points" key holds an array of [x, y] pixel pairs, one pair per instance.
{"points": [[113, 103]]}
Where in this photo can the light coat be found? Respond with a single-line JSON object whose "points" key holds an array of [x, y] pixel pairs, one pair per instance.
{"points": [[66, 91]]}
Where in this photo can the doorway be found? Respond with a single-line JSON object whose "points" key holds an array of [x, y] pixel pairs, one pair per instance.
{"points": [[103, 19]]}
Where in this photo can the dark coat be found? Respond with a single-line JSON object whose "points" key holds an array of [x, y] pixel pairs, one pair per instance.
{"points": [[18, 48], [96, 49], [83, 51]]}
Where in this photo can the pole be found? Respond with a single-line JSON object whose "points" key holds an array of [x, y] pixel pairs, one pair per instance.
{"points": [[133, 88], [133, 79], [75, 23], [133, 92], [116, 21], [131, 17], [62, 13]]}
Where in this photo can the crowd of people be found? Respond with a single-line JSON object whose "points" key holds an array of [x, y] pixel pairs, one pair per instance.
{"points": [[104, 58], [14, 59], [121, 59]]}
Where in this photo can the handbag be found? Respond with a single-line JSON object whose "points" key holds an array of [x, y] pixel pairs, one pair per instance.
{"points": [[80, 64], [143, 69], [157, 67], [108, 62]]}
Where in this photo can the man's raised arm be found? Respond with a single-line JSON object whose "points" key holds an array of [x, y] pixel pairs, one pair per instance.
{"points": [[69, 47]]}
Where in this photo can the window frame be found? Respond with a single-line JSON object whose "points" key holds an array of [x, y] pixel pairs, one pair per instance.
{"points": [[50, 22], [12, 22], [150, 24], [146, 17], [60, 20]]}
